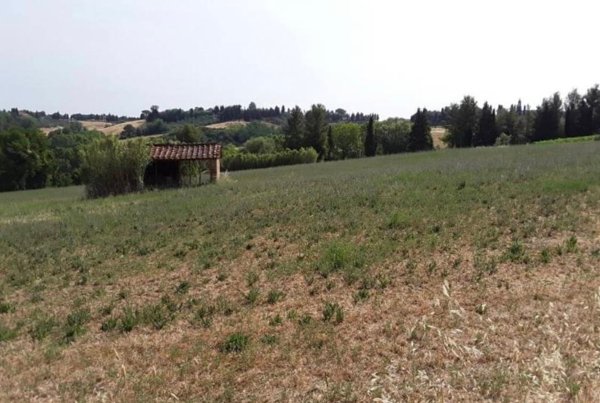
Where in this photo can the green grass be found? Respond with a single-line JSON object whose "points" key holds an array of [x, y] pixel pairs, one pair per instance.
{"points": [[270, 248], [566, 140]]}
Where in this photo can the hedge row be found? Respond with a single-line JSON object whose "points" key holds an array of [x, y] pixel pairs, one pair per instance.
{"points": [[238, 162]]}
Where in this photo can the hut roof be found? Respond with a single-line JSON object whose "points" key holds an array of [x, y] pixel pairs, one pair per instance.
{"points": [[185, 152]]}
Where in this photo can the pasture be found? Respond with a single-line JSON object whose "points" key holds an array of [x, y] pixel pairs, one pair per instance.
{"points": [[456, 274]]}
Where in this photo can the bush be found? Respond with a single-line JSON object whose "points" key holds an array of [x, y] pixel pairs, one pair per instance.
{"points": [[112, 167], [240, 161]]}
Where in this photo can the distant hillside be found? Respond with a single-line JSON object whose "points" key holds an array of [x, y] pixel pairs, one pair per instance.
{"points": [[108, 128]]}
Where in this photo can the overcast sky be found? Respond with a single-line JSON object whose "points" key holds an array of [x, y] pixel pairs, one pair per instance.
{"points": [[383, 56]]}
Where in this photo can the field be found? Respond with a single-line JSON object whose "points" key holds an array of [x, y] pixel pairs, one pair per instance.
{"points": [[108, 128], [459, 275], [437, 134]]}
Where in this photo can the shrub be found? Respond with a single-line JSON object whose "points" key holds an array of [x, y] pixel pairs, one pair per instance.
{"points": [[235, 343], [241, 161], [112, 167]]}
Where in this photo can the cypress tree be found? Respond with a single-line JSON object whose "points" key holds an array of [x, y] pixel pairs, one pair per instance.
{"points": [[419, 138], [294, 130], [487, 131], [370, 144], [330, 145]]}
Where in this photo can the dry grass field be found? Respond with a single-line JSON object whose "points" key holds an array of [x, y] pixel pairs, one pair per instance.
{"points": [[226, 125], [454, 275], [108, 128], [438, 133]]}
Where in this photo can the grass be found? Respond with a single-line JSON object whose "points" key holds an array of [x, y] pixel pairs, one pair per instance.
{"points": [[468, 274], [566, 140]]}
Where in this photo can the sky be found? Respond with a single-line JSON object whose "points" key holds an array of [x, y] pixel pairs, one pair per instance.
{"points": [[377, 56]]}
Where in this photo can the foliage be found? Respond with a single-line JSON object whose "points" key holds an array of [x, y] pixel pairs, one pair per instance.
{"points": [[419, 138], [112, 167], [346, 141], [316, 128], [463, 123], [25, 159], [67, 151], [370, 142], [486, 130], [547, 122], [240, 161], [262, 145], [294, 130], [188, 134], [393, 135]]}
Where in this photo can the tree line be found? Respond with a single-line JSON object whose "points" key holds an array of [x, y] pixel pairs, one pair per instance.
{"points": [[470, 125]]}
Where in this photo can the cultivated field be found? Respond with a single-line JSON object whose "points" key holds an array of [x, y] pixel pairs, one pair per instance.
{"points": [[460, 275]]}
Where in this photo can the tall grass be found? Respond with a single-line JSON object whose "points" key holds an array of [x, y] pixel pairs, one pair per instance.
{"points": [[112, 167]]}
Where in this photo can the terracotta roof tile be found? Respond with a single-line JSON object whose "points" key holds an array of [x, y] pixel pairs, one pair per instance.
{"points": [[185, 152]]}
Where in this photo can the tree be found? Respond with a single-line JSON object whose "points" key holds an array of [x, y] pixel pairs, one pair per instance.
{"points": [[330, 143], [393, 135], [25, 159], [348, 140], [153, 115], [316, 126], [572, 114], [370, 143], [487, 131], [419, 138], [294, 130], [463, 123], [189, 134], [128, 131], [547, 123]]}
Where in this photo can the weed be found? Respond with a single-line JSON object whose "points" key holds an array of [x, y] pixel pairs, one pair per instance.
{"points": [[545, 256], [305, 319], [571, 245], [251, 279], [42, 327], [252, 296], [182, 288], [156, 315], [109, 324], [6, 307], [269, 339], [333, 312], [516, 252], [276, 320], [361, 295], [235, 343], [204, 315], [274, 296], [75, 325], [128, 320], [7, 333]]}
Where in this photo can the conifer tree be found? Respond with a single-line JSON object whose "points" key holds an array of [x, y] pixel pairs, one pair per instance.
{"points": [[419, 138], [294, 130], [330, 144], [370, 144], [487, 132], [316, 127]]}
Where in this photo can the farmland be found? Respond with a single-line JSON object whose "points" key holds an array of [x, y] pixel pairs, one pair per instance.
{"points": [[455, 274]]}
